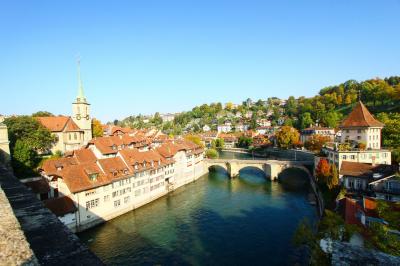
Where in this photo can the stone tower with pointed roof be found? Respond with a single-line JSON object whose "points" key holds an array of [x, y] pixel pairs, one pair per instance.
{"points": [[361, 126], [81, 111]]}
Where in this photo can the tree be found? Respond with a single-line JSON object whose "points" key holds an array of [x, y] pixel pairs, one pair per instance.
{"points": [[217, 143], [229, 106], [42, 114], [97, 128], [331, 119], [157, 120], [291, 106], [306, 120], [316, 142], [244, 142], [29, 130], [212, 154], [347, 100], [390, 133], [27, 137], [333, 180], [323, 171], [195, 139], [287, 137], [24, 159]]}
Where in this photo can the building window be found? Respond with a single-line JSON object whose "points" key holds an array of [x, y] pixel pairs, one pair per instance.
{"points": [[92, 203], [117, 203], [106, 198], [353, 157], [75, 137], [127, 199], [90, 192]]}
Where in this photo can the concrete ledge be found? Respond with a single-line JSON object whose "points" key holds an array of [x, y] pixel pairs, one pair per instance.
{"points": [[51, 242]]}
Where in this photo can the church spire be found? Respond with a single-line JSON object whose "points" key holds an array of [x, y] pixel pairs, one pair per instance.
{"points": [[81, 96]]}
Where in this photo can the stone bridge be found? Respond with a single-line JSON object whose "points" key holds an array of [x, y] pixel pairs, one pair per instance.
{"points": [[271, 168]]}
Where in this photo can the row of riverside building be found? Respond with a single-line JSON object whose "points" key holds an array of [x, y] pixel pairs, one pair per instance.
{"points": [[100, 178], [104, 180]]}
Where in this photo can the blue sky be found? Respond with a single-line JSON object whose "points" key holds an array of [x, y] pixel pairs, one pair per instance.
{"points": [[168, 56]]}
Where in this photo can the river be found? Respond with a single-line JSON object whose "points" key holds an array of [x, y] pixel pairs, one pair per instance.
{"points": [[213, 221]]}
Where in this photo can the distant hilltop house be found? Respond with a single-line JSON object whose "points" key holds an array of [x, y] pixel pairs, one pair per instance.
{"points": [[206, 128], [167, 117], [226, 127], [71, 132], [263, 122], [241, 127]]}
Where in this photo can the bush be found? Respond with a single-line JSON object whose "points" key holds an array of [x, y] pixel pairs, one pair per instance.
{"points": [[212, 154]]}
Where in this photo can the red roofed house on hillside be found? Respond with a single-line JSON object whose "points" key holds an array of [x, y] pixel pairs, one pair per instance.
{"points": [[71, 132], [362, 133]]}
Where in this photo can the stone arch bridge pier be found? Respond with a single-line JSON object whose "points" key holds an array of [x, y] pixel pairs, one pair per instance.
{"points": [[271, 168]]}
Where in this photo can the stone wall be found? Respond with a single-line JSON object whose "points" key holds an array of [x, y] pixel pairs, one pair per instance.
{"points": [[50, 241]]}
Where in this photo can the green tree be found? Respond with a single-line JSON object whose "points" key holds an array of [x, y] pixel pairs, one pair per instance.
{"points": [[24, 159], [212, 154], [244, 142], [27, 138], [306, 120], [42, 114], [157, 120], [390, 133], [29, 130], [217, 143], [331, 119], [291, 106]]}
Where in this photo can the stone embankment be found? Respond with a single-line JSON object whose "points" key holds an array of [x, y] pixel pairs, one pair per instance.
{"points": [[30, 234]]}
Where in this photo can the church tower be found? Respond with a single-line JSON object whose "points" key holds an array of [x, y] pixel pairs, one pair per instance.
{"points": [[81, 111]]}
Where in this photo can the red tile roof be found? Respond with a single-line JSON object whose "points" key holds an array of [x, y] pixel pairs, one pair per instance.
{"points": [[360, 117], [114, 168], [84, 156], [365, 170], [58, 123]]}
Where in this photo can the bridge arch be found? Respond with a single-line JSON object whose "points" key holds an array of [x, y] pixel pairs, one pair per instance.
{"points": [[295, 176]]}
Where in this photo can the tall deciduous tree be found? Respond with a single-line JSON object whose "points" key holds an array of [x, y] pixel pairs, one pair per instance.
{"points": [[316, 142], [306, 120], [27, 138], [287, 137], [322, 172], [97, 128], [333, 180]]}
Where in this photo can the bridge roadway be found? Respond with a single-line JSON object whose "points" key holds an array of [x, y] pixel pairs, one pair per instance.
{"points": [[271, 168]]}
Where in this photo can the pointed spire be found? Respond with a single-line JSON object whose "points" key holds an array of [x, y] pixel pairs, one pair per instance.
{"points": [[81, 96]]}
